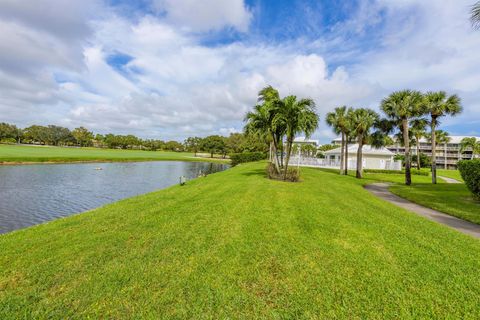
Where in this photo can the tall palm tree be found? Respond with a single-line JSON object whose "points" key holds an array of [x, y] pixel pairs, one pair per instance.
{"points": [[475, 16], [470, 143], [437, 105], [401, 107], [363, 121], [297, 116], [339, 122], [418, 131]]}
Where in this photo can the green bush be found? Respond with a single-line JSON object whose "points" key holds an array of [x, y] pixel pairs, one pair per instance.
{"points": [[8, 141], [470, 171], [293, 174], [243, 157]]}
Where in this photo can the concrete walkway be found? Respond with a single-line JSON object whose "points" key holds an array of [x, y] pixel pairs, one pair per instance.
{"points": [[381, 190], [449, 180]]}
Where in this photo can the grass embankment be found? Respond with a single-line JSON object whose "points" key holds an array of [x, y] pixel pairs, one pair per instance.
{"points": [[452, 174], [237, 245], [26, 154]]}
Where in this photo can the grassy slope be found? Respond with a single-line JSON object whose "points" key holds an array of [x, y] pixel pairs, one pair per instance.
{"points": [[454, 174], [237, 245], [12, 153]]}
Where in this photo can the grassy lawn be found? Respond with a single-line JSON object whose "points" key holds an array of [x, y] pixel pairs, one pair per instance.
{"points": [[453, 174], [13, 153], [454, 199], [237, 245]]}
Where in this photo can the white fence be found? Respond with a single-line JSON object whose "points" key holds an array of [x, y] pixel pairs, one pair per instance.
{"points": [[352, 164]]}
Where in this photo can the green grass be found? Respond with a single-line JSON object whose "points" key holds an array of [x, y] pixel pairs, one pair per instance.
{"points": [[13, 153], [237, 245], [453, 199], [453, 174], [386, 177]]}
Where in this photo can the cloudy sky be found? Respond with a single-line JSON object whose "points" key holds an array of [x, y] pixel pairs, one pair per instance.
{"points": [[169, 69]]}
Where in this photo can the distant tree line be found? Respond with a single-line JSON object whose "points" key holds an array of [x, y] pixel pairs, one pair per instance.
{"points": [[82, 137]]}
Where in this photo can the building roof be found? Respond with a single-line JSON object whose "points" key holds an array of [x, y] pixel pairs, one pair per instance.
{"points": [[305, 140], [453, 139], [367, 150]]}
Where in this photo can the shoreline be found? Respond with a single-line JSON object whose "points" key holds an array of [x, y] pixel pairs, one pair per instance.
{"points": [[192, 159]]}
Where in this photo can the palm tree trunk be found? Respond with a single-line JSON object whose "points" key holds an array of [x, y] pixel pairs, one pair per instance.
{"points": [[434, 149], [270, 152], [289, 150], [281, 156], [418, 153], [346, 157], [342, 155], [360, 158], [275, 155], [406, 142]]}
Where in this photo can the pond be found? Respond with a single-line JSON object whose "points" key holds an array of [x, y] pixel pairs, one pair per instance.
{"points": [[32, 194]]}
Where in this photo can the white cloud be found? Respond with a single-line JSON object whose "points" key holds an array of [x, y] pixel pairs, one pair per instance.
{"points": [[205, 15], [175, 86]]}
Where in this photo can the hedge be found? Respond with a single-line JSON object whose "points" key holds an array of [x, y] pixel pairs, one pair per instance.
{"points": [[243, 157], [470, 171]]}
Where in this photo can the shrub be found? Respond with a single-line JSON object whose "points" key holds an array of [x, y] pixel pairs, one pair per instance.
{"points": [[470, 171], [8, 141], [293, 175], [243, 157]]}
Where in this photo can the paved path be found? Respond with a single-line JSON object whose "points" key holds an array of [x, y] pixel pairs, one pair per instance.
{"points": [[449, 180], [381, 191]]}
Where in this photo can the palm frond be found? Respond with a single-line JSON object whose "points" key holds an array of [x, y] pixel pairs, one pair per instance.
{"points": [[475, 15]]}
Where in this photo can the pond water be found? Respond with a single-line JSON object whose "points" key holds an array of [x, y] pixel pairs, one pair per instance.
{"points": [[32, 194]]}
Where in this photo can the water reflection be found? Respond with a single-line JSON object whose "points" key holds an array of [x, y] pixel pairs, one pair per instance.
{"points": [[31, 194]]}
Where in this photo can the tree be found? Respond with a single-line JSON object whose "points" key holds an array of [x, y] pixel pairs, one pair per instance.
{"points": [[174, 146], [418, 131], [192, 144], [470, 144], [214, 144], [36, 134], [401, 107], [339, 121], [82, 136], [475, 15], [10, 131], [57, 135], [298, 116], [363, 121], [437, 105], [262, 121]]}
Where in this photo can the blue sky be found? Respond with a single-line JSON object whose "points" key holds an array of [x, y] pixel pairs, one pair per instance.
{"points": [[169, 69]]}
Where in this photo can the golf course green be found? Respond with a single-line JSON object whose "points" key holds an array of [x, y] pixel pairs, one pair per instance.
{"points": [[26, 154]]}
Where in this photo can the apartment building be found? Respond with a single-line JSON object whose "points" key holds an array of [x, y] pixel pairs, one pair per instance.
{"points": [[448, 154]]}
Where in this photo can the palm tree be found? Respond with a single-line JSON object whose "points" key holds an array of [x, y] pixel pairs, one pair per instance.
{"points": [[259, 122], [437, 105], [400, 107], [475, 17], [363, 121], [470, 143], [297, 116], [418, 131], [349, 134], [262, 120], [339, 122]]}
